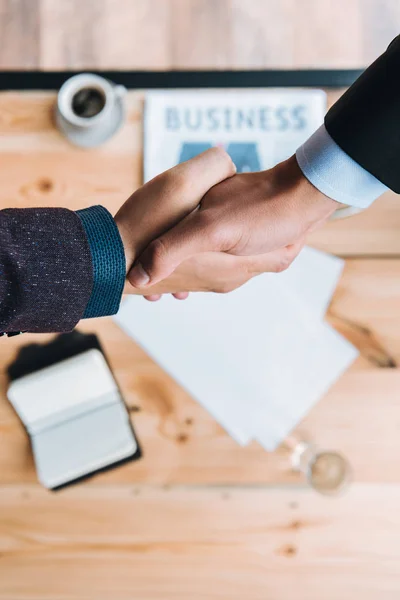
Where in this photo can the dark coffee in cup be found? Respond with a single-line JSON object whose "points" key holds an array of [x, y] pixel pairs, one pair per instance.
{"points": [[89, 109], [88, 102]]}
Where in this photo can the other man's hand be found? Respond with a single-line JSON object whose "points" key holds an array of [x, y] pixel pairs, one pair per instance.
{"points": [[248, 214], [217, 272], [167, 199]]}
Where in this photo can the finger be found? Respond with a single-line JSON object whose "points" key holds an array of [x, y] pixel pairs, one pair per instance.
{"points": [[153, 297], [181, 295], [169, 197], [193, 235], [202, 172]]}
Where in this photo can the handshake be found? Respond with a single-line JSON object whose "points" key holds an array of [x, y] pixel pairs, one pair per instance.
{"points": [[201, 227]]}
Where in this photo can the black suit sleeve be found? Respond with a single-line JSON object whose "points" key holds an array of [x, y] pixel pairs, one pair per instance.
{"points": [[365, 121], [46, 272]]}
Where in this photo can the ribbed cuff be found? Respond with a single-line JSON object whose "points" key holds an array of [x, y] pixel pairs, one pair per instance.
{"points": [[335, 173], [108, 260]]}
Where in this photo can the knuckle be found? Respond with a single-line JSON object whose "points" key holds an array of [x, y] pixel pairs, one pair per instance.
{"points": [[174, 181], [280, 267], [224, 157], [220, 152], [285, 260], [216, 235], [221, 235]]}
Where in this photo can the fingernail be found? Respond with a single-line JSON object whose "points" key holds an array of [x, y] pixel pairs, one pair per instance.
{"points": [[139, 276]]}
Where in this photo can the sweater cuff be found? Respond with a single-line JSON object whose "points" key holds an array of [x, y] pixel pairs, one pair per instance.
{"points": [[108, 260]]}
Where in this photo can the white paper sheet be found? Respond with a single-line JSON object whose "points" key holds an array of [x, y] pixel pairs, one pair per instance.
{"points": [[257, 359], [313, 278]]}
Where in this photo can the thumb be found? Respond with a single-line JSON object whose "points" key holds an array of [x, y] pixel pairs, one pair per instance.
{"points": [[192, 235]]}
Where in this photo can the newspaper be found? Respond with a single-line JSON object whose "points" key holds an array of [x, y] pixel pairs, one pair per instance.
{"points": [[258, 128]]}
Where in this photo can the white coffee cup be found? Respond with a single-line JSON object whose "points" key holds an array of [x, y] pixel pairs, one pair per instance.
{"points": [[90, 109]]}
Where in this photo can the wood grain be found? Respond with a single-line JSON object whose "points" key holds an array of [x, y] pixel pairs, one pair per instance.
{"points": [[160, 34], [19, 34], [380, 21], [128, 34], [139, 542], [200, 34], [183, 444], [329, 34], [45, 170], [255, 42], [374, 232], [199, 517]]}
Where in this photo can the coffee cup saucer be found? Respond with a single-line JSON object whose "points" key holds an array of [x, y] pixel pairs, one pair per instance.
{"points": [[92, 137]]}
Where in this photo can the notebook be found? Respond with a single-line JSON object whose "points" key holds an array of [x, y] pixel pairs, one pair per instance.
{"points": [[75, 416]]}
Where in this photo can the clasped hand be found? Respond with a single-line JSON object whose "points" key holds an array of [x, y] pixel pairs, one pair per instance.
{"points": [[201, 227]]}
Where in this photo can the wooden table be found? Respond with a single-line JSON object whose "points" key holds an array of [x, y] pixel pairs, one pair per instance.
{"points": [[198, 517]]}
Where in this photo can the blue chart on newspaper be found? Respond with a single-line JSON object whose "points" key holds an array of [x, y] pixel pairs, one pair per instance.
{"points": [[259, 128]]}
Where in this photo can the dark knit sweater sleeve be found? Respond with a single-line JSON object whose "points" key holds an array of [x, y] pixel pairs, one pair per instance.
{"points": [[46, 270]]}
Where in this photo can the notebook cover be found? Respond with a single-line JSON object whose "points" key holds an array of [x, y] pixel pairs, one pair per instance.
{"points": [[34, 357]]}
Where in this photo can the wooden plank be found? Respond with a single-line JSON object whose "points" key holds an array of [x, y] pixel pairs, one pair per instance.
{"points": [[126, 541], [158, 34], [323, 38], [380, 25], [182, 441], [124, 534], [373, 232], [263, 34], [70, 33], [183, 444], [19, 34], [308, 34], [365, 307], [206, 34], [100, 34], [200, 34], [43, 169]]}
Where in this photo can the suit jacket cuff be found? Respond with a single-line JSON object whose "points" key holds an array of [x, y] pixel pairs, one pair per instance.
{"points": [[108, 260], [364, 122], [335, 173]]}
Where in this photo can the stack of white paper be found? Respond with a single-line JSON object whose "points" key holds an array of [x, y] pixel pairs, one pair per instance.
{"points": [[258, 358]]}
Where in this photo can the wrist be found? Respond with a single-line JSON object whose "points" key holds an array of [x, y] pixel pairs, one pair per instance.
{"points": [[126, 239], [310, 204]]}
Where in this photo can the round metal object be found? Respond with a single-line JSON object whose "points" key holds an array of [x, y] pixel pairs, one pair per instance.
{"points": [[329, 473]]}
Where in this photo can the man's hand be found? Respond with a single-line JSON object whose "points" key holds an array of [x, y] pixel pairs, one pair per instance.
{"points": [[217, 272], [168, 198], [248, 214]]}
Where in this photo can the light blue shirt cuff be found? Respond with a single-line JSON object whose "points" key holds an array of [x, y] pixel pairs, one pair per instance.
{"points": [[335, 173]]}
